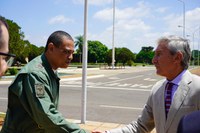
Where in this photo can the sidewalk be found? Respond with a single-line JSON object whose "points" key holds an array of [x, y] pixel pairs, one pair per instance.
{"points": [[74, 74], [93, 125], [90, 125], [101, 126]]}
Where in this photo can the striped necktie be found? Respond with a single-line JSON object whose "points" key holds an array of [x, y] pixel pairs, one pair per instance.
{"points": [[168, 98]]}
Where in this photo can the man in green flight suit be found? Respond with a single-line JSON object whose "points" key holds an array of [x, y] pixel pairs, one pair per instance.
{"points": [[33, 96]]}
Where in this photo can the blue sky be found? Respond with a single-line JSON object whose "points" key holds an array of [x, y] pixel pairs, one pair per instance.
{"points": [[138, 22]]}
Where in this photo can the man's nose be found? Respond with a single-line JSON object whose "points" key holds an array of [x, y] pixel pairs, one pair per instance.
{"points": [[154, 60], [70, 57]]}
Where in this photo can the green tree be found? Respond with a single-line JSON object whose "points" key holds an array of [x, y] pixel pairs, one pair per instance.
{"points": [[125, 55], [35, 51], [145, 55], [18, 46], [195, 57], [122, 55], [109, 57], [16, 37], [96, 51], [79, 45]]}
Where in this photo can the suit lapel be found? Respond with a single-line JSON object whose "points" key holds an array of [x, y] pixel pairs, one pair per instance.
{"points": [[178, 99], [161, 103]]}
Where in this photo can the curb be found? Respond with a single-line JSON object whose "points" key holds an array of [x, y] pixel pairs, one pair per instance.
{"points": [[79, 78], [76, 77]]}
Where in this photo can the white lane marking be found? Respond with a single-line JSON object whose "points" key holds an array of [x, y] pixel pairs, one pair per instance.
{"points": [[150, 79], [3, 98], [136, 85], [120, 107], [122, 79], [146, 86], [113, 84], [123, 85], [110, 88], [80, 78]]}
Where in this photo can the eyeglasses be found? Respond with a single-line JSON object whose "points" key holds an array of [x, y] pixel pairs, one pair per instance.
{"points": [[9, 58]]}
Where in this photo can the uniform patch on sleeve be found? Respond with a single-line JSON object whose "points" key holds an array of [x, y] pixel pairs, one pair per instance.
{"points": [[39, 90]]}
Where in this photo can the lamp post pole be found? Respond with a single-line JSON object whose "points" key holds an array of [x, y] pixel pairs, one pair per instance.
{"points": [[113, 37], [84, 70], [193, 54], [198, 46], [183, 17], [193, 38]]}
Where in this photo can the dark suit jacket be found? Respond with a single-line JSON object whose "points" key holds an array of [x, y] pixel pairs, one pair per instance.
{"points": [[190, 123]]}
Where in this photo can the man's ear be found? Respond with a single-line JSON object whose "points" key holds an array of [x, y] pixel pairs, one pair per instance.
{"points": [[50, 47], [178, 57]]}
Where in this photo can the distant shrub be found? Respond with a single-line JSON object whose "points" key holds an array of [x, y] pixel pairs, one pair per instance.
{"points": [[13, 71], [130, 63]]}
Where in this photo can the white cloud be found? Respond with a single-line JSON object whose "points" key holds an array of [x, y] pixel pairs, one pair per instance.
{"points": [[172, 21], [128, 33], [60, 19], [141, 10], [161, 9], [95, 2], [37, 39], [130, 26], [192, 19]]}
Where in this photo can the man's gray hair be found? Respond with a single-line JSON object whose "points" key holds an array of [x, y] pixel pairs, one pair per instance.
{"points": [[178, 44]]}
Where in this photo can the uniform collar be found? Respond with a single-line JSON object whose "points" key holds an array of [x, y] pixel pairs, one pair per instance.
{"points": [[48, 67]]}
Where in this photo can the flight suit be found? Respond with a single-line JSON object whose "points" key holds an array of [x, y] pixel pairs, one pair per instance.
{"points": [[33, 102]]}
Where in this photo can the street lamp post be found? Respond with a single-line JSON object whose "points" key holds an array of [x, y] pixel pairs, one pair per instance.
{"points": [[183, 17], [113, 37], [198, 46], [84, 70], [193, 38]]}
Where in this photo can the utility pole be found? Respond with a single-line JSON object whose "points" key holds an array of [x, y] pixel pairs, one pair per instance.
{"points": [[84, 70], [183, 17], [113, 37]]}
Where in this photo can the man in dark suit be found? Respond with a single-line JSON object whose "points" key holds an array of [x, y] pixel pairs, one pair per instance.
{"points": [[190, 123]]}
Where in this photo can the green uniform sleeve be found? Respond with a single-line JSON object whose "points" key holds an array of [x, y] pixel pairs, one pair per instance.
{"points": [[40, 104]]}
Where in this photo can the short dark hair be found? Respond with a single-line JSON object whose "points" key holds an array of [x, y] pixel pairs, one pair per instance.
{"points": [[57, 38]]}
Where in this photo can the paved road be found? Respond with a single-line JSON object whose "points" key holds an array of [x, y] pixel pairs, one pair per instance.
{"points": [[116, 96]]}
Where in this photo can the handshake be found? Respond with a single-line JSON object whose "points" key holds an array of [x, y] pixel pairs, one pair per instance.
{"points": [[98, 131]]}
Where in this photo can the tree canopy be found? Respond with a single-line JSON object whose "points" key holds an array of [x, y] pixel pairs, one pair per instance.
{"points": [[20, 47], [97, 52], [145, 55], [122, 55]]}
